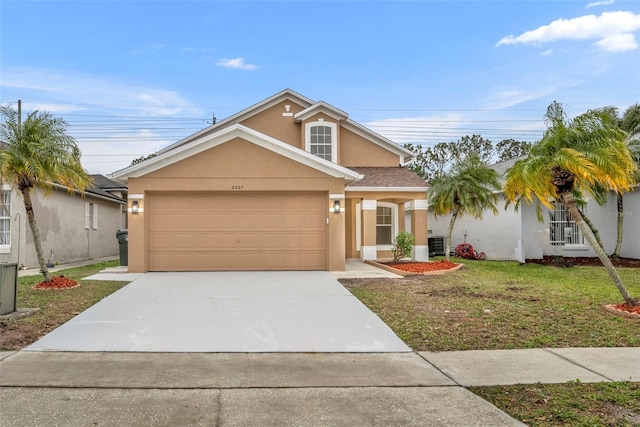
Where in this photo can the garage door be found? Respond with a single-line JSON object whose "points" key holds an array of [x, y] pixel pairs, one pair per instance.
{"points": [[236, 231]]}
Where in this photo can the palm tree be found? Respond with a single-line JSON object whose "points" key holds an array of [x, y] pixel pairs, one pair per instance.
{"points": [[630, 124], [470, 187], [38, 151], [573, 159]]}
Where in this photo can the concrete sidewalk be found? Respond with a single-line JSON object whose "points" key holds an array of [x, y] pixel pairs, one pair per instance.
{"points": [[36, 270], [304, 389]]}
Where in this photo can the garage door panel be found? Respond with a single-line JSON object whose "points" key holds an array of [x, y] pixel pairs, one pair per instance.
{"points": [[160, 221], [314, 241], [230, 231]]}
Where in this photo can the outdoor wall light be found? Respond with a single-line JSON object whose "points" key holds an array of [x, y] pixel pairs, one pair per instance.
{"points": [[135, 207], [336, 206]]}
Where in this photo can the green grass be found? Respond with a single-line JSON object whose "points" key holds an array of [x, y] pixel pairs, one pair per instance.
{"points": [[56, 307], [503, 305], [574, 404]]}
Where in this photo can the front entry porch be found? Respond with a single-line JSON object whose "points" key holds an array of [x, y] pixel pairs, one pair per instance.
{"points": [[373, 221]]}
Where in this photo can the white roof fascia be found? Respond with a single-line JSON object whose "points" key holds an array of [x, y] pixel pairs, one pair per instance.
{"points": [[242, 115], [401, 189], [229, 133], [376, 138], [322, 107]]}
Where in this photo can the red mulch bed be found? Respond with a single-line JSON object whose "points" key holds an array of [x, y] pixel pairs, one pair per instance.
{"points": [[584, 261], [57, 283], [423, 267], [628, 308]]}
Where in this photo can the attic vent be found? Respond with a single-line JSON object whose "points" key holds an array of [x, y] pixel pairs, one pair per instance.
{"points": [[287, 113]]}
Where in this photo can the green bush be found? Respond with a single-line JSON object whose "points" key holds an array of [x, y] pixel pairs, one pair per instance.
{"points": [[402, 245]]}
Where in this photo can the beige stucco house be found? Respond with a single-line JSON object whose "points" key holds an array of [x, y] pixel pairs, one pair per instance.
{"points": [[286, 184]]}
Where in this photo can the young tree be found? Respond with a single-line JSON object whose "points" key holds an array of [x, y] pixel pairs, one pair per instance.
{"points": [[38, 151], [569, 160], [470, 188], [629, 123]]}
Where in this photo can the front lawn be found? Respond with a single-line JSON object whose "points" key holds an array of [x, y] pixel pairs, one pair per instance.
{"points": [[503, 305], [56, 307], [572, 404]]}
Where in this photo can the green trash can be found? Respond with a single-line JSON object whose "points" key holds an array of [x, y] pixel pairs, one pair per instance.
{"points": [[123, 243], [8, 287]]}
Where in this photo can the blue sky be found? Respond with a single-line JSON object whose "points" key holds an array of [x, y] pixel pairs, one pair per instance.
{"points": [[132, 77]]}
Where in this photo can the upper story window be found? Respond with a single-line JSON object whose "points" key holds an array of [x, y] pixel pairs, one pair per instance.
{"points": [[5, 218], [321, 140]]}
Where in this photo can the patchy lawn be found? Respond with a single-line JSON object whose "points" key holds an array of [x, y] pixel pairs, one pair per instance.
{"points": [[56, 307], [572, 404], [503, 305]]}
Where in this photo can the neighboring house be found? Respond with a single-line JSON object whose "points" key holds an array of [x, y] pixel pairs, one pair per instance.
{"points": [[518, 235], [72, 227], [287, 184]]}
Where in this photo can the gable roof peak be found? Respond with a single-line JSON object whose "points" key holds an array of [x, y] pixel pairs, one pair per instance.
{"points": [[323, 107]]}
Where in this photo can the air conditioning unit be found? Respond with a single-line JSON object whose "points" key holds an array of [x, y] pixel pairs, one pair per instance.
{"points": [[436, 246]]}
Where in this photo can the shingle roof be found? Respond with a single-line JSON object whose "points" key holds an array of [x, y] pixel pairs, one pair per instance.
{"points": [[100, 185], [105, 183], [392, 177]]}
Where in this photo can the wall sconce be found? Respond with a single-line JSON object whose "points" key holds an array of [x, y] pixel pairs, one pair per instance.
{"points": [[336, 206], [135, 207]]}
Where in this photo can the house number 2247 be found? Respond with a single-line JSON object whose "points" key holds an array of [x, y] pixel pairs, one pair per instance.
{"points": [[237, 187]]}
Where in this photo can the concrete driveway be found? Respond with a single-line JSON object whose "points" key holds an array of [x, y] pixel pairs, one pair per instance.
{"points": [[227, 312]]}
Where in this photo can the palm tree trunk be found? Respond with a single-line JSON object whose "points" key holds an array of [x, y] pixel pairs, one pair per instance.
{"points": [[28, 205], [594, 230], [570, 204], [620, 200], [450, 231]]}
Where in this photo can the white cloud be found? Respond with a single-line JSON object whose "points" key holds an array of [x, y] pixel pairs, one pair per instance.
{"points": [[613, 30], [618, 43], [547, 52], [69, 89], [505, 97], [600, 3], [113, 121], [236, 63]]}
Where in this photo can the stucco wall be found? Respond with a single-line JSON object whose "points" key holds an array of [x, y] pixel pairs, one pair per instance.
{"points": [[237, 166], [61, 220], [497, 236], [272, 122], [631, 241]]}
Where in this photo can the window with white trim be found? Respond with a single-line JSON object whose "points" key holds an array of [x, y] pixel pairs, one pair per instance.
{"points": [[321, 140], [562, 228], [5, 218], [386, 224], [90, 216]]}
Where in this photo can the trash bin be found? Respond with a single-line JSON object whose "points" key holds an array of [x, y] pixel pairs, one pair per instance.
{"points": [[8, 287], [123, 243]]}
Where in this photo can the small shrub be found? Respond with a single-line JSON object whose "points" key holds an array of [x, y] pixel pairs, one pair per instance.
{"points": [[402, 245]]}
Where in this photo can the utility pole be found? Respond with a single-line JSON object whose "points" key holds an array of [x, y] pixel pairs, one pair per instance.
{"points": [[19, 112]]}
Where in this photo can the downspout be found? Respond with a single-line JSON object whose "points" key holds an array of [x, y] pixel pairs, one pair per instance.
{"points": [[17, 219]]}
